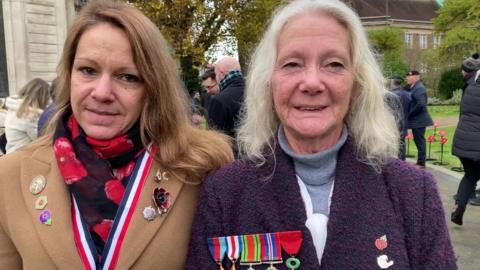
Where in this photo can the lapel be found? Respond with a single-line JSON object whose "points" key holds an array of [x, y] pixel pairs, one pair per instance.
{"points": [[361, 211], [140, 231], [292, 214], [57, 239]]}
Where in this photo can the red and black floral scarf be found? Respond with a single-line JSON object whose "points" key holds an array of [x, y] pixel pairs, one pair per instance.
{"points": [[96, 172]]}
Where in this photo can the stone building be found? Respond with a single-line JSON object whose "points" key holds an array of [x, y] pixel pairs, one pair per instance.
{"points": [[32, 33]]}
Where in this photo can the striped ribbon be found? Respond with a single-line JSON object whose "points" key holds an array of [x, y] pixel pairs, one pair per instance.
{"points": [[83, 240], [271, 248], [251, 249], [217, 247], [234, 246]]}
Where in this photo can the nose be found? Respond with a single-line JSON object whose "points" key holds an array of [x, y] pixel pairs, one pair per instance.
{"points": [[103, 90], [313, 81]]}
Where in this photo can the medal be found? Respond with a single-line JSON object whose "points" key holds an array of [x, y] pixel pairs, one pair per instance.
{"points": [[271, 249], [251, 250], [234, 246], [217, 247], [291, 242]]}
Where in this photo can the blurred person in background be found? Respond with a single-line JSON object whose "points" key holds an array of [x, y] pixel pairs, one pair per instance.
{"points": [[401, 116], [23, 112], [49, 110], [466, 140], [418, 117]]}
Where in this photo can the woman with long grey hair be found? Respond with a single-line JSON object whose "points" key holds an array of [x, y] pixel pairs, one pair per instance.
{"points": [[319, 179]]}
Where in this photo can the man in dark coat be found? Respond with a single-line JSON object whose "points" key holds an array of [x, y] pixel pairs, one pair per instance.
{"points": [[418, 117], [402, 116], [224, 108]]}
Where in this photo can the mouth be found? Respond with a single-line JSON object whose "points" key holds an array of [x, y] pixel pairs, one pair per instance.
{"points": [[310, 108], [101, 112]]}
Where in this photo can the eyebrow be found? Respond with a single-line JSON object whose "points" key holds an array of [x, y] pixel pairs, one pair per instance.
{"points": [[91, 61]]}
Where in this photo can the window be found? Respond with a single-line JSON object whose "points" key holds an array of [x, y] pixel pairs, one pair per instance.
{"points": [[436, 41], [422, 41], [409, 40]]}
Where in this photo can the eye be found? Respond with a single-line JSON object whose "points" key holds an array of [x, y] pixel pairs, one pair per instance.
{"points": [[129, 78], [289, 65], [88, 71], [335, 66]]}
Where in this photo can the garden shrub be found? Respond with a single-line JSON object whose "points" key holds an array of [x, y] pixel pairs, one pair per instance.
{"points": [[450, 80]]}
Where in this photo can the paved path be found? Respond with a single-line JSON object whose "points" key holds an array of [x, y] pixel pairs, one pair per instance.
{"points": [[466, 238]]}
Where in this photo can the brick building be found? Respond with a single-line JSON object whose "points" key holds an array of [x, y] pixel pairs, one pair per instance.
{"points": [[413, 16]]}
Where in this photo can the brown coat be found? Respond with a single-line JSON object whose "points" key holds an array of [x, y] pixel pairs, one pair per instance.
{"points": [[27, 243]]}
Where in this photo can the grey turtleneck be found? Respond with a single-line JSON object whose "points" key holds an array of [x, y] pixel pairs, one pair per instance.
{"points": [[317, 170]]}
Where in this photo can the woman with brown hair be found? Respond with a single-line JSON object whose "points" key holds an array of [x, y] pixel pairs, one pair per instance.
{"points": [[115, 181], [23, 113]]}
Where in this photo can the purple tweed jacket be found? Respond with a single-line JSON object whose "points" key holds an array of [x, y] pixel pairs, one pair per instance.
{"points": [[402, 203]]}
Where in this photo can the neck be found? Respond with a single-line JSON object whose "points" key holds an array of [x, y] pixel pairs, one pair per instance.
{"points": [[307, 145]]}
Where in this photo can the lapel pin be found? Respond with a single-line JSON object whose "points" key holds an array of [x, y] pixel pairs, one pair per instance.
{"points": [[381, 243], [383, 262], [41, 202], [38, 184], [162, 200], [149, 213], [159, 176], [46, 217]]}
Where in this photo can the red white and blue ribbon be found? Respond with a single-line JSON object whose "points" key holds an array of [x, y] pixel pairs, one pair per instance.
{"points": [[234, 247], [271, 248], [86, 247], [217, 247]]}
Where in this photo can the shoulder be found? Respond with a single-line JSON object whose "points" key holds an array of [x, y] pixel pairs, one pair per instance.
{"points": [[207, 151], [232, 177], [406, 180], [420, 86], [12, 160], [11, 164]]}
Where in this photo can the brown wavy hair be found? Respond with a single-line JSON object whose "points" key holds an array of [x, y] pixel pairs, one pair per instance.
{"points": [[35, 97], [165, 117]]}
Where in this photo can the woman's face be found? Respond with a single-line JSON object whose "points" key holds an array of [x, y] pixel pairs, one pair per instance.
{"points": [[312, 81], [106, 88]]}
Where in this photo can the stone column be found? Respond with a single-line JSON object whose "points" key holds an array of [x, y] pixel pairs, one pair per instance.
{"points": [[35, 31]]}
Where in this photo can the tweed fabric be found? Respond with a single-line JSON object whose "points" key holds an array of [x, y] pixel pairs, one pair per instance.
{"points": [[402, 203]]}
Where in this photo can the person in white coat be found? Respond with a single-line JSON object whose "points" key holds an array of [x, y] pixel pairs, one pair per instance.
{"points": [[23, 113]]}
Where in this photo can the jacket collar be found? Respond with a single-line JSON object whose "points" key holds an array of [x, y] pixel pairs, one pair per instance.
{"points": [[230, 77], [58, 239]]}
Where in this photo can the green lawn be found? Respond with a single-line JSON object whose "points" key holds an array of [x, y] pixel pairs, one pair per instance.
{"points": [[448, 160], [444, 111], [439, 113]]}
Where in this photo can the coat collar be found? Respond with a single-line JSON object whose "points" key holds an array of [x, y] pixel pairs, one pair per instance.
{"points": [[58, 239]]}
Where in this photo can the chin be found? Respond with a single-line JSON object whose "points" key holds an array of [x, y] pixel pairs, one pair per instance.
{"points": [[100, 133]]}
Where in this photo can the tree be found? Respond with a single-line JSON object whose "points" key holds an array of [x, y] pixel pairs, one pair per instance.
{"points": [[191, 27], [388, 45], [460, 21], [249, 24]]}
